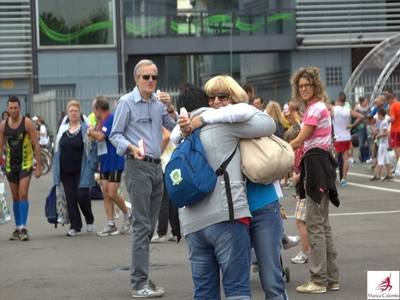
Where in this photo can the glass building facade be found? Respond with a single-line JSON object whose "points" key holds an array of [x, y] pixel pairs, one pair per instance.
{"points": [[93, 45], [76, 23]]}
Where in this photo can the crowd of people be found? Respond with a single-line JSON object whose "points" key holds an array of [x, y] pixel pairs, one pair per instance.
{"points": [[137, 141]]}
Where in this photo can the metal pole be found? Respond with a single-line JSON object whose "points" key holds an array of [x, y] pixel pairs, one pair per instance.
{"points": [[230, 46], [191, 69]]}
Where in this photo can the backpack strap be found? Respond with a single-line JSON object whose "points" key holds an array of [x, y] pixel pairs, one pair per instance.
{"points": [[222, 171]]}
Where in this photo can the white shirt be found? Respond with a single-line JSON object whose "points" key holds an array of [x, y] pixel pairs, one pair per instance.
{"points": [[341, 120], [43, 140]]}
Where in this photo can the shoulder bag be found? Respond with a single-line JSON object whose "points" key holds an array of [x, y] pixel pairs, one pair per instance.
{"points": [[266, 159]]}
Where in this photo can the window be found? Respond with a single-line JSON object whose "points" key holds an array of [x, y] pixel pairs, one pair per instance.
{"points": [[334, 76], [75, 22]]}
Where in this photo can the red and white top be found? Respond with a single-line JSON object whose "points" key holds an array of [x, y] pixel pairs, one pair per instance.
{"points": [[317, 115]]}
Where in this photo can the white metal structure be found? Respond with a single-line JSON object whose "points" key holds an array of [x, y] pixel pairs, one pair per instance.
{"points": [[375, 68]]}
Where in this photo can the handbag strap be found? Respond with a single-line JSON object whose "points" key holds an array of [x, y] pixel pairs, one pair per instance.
{"points": [[222, 171]]}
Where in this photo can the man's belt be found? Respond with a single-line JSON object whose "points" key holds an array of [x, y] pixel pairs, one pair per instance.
{"points": [[146, 159]]}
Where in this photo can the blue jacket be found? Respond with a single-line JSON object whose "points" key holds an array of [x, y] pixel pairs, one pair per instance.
{"points": [[89, 158]]}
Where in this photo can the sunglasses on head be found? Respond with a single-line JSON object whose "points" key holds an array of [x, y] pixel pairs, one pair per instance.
{"points": [[147, 77], [221, 97]]}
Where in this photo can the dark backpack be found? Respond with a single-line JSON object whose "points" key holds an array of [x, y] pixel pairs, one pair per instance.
{"points": [[50, 208], [95, 192], [189, 177]]}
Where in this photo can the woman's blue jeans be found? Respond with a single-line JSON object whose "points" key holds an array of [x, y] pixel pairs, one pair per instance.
{"points": [[266, 230], [363, 136], [223, 247]]}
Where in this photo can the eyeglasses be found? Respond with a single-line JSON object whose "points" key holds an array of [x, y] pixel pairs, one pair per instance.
{"points": [[306, 86], [221, 97], [147, 77]]}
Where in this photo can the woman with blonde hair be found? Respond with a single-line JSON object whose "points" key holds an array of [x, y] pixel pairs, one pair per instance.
{"points": [[318, 170], [214, 243], [274, 110], [75, 161]]}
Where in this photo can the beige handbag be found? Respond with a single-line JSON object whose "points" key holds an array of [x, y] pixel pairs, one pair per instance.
{"points": [[266, 159]]}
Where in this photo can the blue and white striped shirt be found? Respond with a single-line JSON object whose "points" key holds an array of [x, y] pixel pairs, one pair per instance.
{"points": [[136, 119]]}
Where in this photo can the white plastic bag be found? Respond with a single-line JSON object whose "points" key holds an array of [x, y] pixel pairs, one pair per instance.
{"points": [[5, 215], [61, 205], [392, 160]]}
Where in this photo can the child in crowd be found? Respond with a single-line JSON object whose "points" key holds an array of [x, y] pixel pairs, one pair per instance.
{"points": [[300, 212], [383, 142]]}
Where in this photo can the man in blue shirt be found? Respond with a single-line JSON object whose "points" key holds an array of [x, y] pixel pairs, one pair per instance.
{"points": [[137, 133], [111, 167]]}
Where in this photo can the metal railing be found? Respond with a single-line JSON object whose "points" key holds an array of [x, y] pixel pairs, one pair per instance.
{"points": [[206, 23]]}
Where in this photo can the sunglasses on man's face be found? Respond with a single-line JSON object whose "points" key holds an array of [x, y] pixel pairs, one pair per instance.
{"points": [[221, 97], [147, 77]]}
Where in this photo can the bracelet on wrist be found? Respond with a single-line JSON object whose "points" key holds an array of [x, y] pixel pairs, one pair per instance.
{"points": [[170, 111]]}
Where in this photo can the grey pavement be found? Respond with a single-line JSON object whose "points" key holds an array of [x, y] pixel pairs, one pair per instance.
{"points": [[53, 266]]}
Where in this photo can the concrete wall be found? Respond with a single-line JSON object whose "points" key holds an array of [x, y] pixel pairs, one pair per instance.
{"points": [[86, 69], [323, 59], [15, 87]]}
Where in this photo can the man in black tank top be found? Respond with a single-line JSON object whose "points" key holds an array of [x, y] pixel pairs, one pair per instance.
{"points": [[19, 134]]}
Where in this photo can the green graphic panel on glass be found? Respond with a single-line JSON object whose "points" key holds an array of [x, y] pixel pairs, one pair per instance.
{"points": [[76, 22], [60, 31], [219, 24]]}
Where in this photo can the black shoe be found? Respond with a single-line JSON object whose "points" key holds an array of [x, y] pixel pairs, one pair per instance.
{"points": [[15, 235], [24, 235], [388, 178], [375, 179]]}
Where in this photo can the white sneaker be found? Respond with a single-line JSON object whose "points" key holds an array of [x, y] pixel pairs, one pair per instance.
{"points": [[158, 239], [127, 224], [172, 238], [300, 258], [370, 161], [108, 230], [148, 291], [293, 241], [73, 232], [90, 227]]}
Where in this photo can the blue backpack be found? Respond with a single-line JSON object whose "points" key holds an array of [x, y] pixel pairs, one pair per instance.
{"points": [[188, 175], [50, 208]]}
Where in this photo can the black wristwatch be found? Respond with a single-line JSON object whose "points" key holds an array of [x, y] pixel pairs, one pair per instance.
{"points": [[297, 128]]}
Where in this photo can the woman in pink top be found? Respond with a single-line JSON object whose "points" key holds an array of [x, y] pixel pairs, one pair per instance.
{"points": [[318, 170]]}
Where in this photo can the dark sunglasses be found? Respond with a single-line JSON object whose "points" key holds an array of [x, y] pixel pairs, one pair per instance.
{"points": [[147, 77], [221, 97]]}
